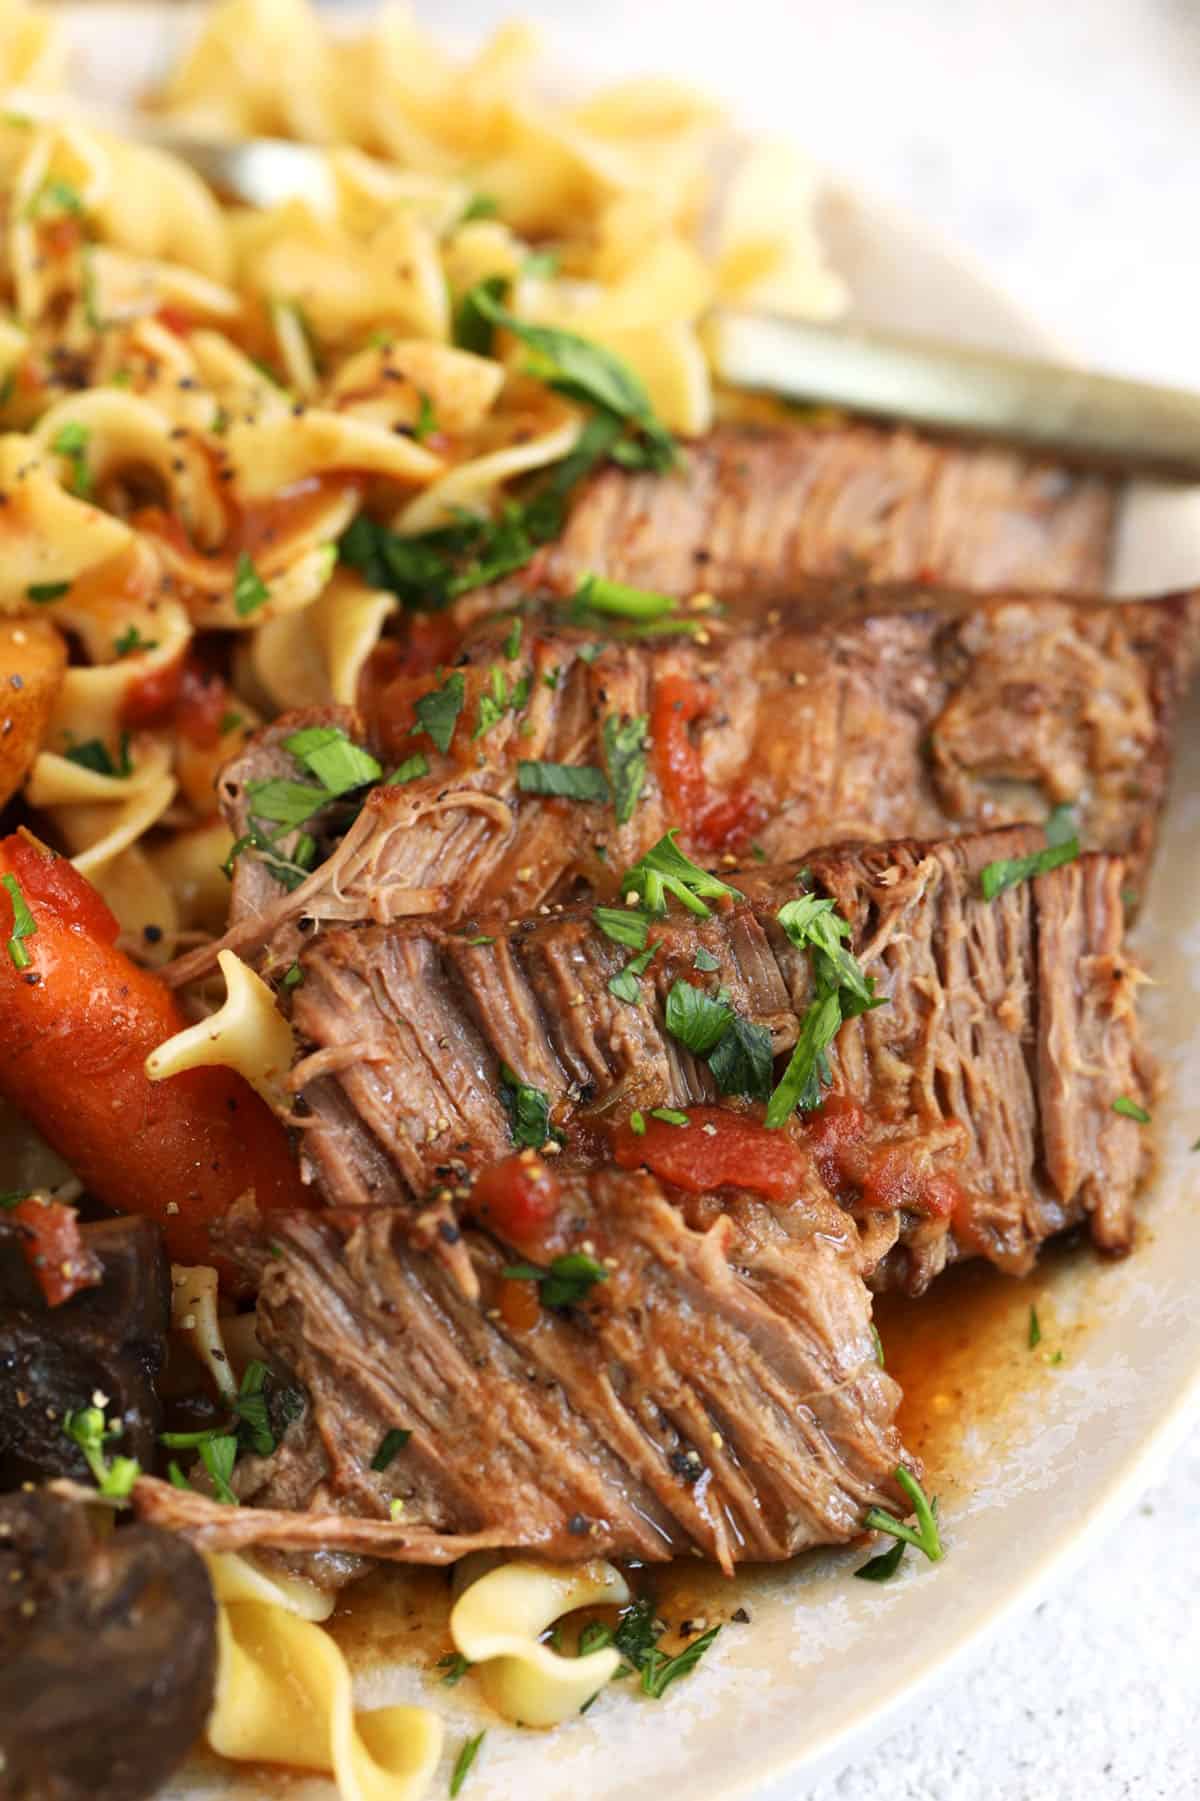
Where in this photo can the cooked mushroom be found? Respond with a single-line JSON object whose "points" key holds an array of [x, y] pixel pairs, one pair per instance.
{"points": [[111, 1337], [107, 1653]]}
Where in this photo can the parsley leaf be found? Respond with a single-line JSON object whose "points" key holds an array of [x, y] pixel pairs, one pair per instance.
{"points": [[425, 423], [596, 594], [333, 758], [249, 589], [132, 640], [94, 755], [463, 1762], [438, 710], [455, 1666], [816, 924], [670, 1116], [625, 985], [41, 592], [705, 961], [71, 442], [565, 1282], [925, 1535], [883, 1567], [1006, 872], [409, 771], [624, 925], [528, 1111], [1035, 1330], [474, 325], [800, 1084], [24, 924], [743, 1062], [659, 1670], [479, 206], [666, 870], [696, 1020], [1129, 1109], [567, 780], [88, 1430], [625, 750], [218, 1455], [389, 1445]]}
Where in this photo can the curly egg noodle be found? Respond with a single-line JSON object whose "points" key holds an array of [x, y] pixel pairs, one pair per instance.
{"points": [[196, 403]]}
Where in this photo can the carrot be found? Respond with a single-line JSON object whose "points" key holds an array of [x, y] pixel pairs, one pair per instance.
{"points": [[77, 1020]]}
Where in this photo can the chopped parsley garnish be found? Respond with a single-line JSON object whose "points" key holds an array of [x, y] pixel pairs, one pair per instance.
{"points": [[250, 1411], [474, 327], [42, 592], [528, 1111], [659, 1671], [218, 1455], [878, 1344], [438, 710], [636, 1638], [1129, 1109], [132, 640], [294, 977], [512, 644], [637, 1123], [743, 1061], [665, 870], [696, 1020], [389, 1445], [463, 1762], [583, 371], [71, 442], [289, 872], [94, 755], [564, 1284], [479, 206], [249, 1430], [625, 750], [455, 1666], [12, 1197], [24, 925], [249, 589], [88, 1430], [1035, 1330], [841, 992], [55, 196], [1007, 872], [596, 594], [229, 722], [705, 961], [924, 1536], [568, 781], [495, 702], [883, 1567], [670, 1116], [624, 925], [625, 985], [541, 265], [334, 759], [409, 771], [286, 803], [425, 423]]}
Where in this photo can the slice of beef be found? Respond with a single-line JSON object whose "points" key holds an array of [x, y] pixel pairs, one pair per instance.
{"points": [[108, 1653], [717, 1392], [850, 713], [1008, 1032], [753, 511], [112, 1337]]}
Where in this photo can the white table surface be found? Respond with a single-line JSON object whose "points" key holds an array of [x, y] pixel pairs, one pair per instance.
{"points": [[1058, 140]]}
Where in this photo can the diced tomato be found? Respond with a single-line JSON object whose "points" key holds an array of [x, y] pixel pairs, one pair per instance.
{"points": [[718, 1148], [942, 1195], [398, 672], [518, 1198], [714, 822], [153, 695], [833, 1129], [53, 1248], [204, 701], [520, 1308], [176, 319], [887, 1177]]}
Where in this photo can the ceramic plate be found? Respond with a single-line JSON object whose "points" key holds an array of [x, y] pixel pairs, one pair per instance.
{"points": [[1030, 1455]]}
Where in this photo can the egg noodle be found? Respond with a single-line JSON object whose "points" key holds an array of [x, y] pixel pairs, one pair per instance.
{"points": [[197, 402]]}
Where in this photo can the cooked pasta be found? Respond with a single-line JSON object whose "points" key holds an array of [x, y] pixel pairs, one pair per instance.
{"points": [[497, 1624], [248, 1033]]}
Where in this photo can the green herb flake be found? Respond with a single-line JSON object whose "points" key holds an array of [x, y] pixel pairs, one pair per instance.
{"points": [[659, 1671], [55, 196], [626, 746], [1129, 1109], [87, 1428], [670, 1116], [1007, 872], [294, 978], [218, 1455], [425, 424], [335, 760], [409, 771], [800, 1084], [24, 925], [666, 870], [878, 1344], [743, 1062], [694, 1019], [883, 1567], [566, 781], [1061, 826], [512, 643], [1034, 1337], [637, 1123], [925, 1536], [438, 710], [624, 925], [567, 1280], [479, 206], [541, 265], [250, 592], [705, 961], [132, 641], [70, 442], [625, 985], [229, 722], [43, 592], [456, 1666], [617, 600], [389, 1445], [463, 1762], [528, 1111]]}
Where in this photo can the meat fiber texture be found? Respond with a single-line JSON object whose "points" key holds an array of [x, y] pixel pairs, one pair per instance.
{"points": [[848, 714], [1009, 1030], [718, 1393]]}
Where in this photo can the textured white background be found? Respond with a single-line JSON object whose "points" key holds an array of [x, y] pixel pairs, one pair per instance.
{"points": [[1059, 141]]}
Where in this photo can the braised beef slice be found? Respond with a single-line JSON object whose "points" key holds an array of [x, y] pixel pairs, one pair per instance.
{"points": [[753, 511], [111, 1338], [1008, 1033], [717, 1393], [853, 714], [107, 1653]]}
